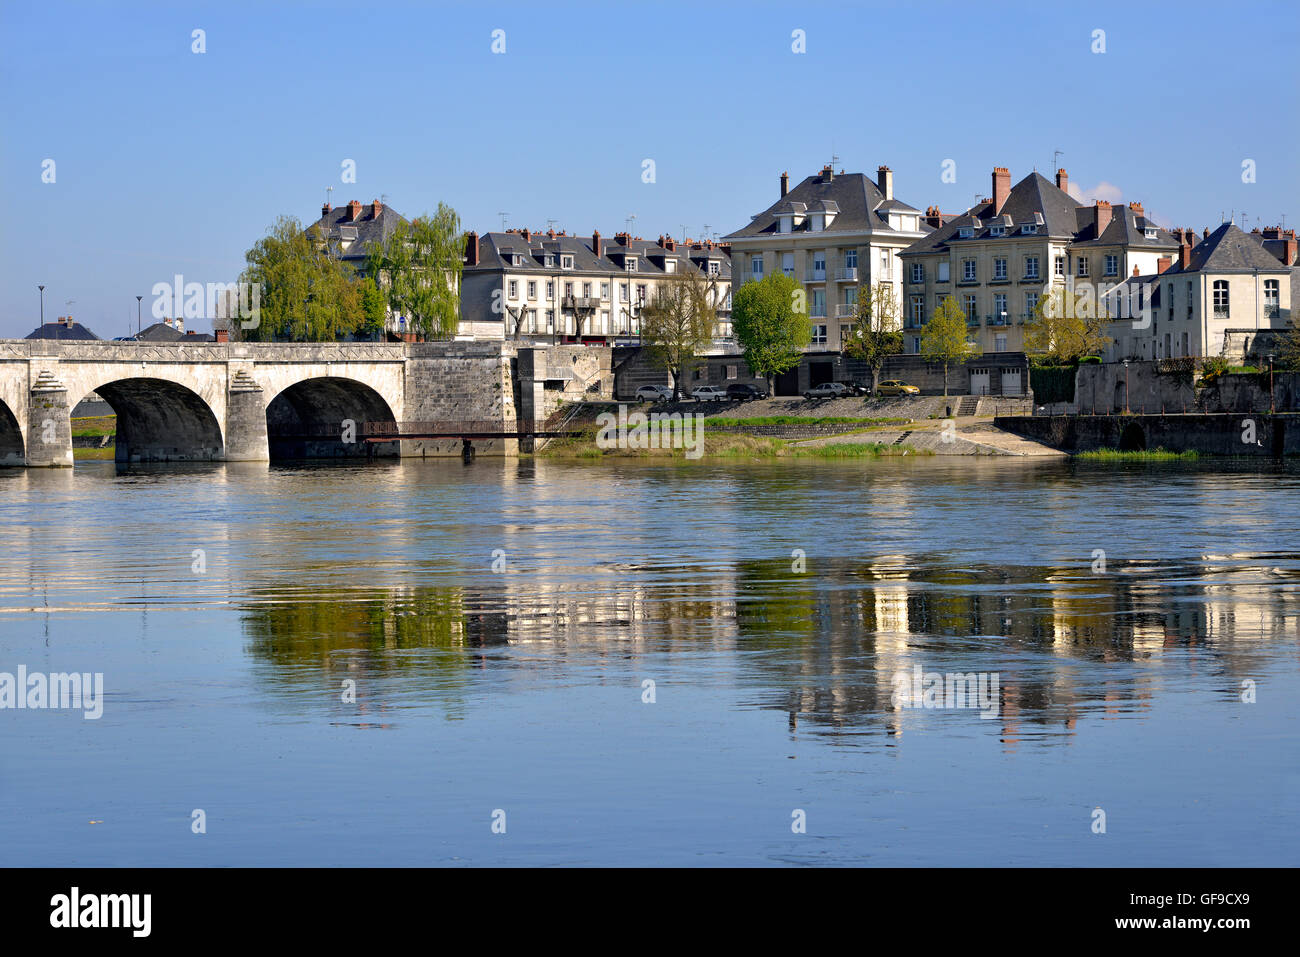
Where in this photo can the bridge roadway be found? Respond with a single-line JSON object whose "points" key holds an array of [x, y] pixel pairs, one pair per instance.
{"points": [[261, 401]]}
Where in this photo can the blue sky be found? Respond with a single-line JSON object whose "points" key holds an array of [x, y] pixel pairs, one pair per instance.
{"points": [[168, 161]]}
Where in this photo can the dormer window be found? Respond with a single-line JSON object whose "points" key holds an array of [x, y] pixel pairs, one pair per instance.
{"points": [[670, 265], [1028, 229], [517, 260], [715, 267], [631, 264], [566, 262], [1150, 232], [997, 230], [966, 232], [548, 260], [787, 223]]}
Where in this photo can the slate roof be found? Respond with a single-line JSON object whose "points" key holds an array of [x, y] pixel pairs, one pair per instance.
{"points": [[1228, 250], [58, 330], [158, 332], [1036, 199], [495, 250], [860, 203], [370, 229]]}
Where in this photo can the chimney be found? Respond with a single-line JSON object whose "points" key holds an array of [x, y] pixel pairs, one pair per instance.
{"points": [[222, 334], [471, 248], [661, 241], [933, 217], [354, 211], [1185, 254], [1289, 250], [885, 180], [1163, 263], [1001, 187], [325, 209], [1135, 271], [1062, 180], [1137, 209], [623, 239], [526, 234], [785, 183], [1101, 210], [828, 174], [595, 244], [1205, 233], [669, 244], [376, 207]]}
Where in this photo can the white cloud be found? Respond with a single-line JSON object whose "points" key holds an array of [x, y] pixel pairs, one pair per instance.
{"points": [[1103, 190]]}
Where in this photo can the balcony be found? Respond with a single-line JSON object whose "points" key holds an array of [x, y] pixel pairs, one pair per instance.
{"points": [[846, 310], [751, 276], [815, 275], [972, 322], [847, 274], [579, 303], [997, 320]]}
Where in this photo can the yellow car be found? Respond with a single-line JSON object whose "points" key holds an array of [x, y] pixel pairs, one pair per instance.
{"points": [[894, 387]]}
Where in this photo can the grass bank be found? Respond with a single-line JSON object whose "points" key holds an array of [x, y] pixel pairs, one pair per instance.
{"points": [[94, 426], [722, 445], [1146, 455], [721, 422]]}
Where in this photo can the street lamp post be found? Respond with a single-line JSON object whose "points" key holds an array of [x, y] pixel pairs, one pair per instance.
{"points": [[42, 289], [1126, 387], [138, 327], [1271, 407]]}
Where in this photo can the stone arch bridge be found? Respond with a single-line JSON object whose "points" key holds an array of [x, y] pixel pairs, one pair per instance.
{"points": [[260, 401]]}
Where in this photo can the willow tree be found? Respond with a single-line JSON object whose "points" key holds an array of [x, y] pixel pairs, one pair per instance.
{"points": [[769, 319], [418, 267], [877, 330], [943, 338], [678, 322], [306, 294]]}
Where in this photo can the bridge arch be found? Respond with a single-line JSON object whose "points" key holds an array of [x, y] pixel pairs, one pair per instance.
{"points": [[160, 420], [310, 418], [12, 448]]}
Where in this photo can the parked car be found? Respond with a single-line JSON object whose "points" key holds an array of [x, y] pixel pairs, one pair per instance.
{"points": [[858, 387], [895, 387], [827, 390], [743, 390], [654, 393], [709, 393]]}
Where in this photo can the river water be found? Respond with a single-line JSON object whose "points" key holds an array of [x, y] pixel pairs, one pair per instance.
{"points": [[554, 663]]}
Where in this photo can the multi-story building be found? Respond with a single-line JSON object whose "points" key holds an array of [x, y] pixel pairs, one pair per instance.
{"points": [[1215, 299], [837, 234], [556, 288], [349, 233], [1000, 257]]}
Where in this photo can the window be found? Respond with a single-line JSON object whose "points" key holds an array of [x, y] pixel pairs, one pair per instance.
{"points": [[532, 290], [586, 290], [917, 312], [566, 262], [943, 272], [514, 288], [787, 263], [640, 294], [670, 265], [1058, 266], [846, 331], [997, 230], [971, 316], [850, 295], [819, 335], [1271, 302], [918, 272], [1031, 304], [729, 371], [568, 290], [1000, 342], [1031, 267], [1029, 229], [756, 265], [968, 270], [884, 262], [548, 260], [1220, 299], [1000, 308], [1189, 299], [966, 232], [1083, 266], [550, 290], [715, 267], [604, 321], [631, 264], [550, 320], [604, 290], [850, 259], [819, 265], [999, 268], [1169, 293], [818, 302], [1112, 265], [622, 292]]}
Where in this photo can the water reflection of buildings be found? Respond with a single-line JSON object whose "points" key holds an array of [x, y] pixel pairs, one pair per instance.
{"points": [[822, 646]]}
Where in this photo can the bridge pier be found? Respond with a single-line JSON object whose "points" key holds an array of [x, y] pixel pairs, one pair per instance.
{"points": [[49, 426], [246, 439]]}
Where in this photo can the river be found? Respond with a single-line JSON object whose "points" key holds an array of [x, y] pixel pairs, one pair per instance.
{"points": [[638, 663]]}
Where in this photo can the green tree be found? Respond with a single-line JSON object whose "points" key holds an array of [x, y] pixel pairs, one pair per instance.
{"points": [[1288, 346], [770, 321], [419, 268], [877, 330], [679, 321], [306, 294], [374, 309], [1066, 328], [943, 338]]}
